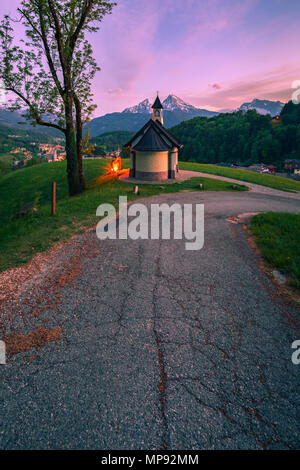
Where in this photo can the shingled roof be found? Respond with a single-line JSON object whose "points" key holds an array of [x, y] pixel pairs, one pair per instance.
{"points": [[153, 136], [157, 104]]}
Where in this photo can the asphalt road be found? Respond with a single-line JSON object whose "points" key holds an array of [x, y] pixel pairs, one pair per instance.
{"points": [[161, 347]]}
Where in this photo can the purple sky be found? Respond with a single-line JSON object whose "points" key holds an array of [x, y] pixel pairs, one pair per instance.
{"points": [[214, 54]]}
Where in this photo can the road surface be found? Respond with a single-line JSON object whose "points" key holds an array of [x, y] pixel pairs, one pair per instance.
{"points": [[160, 348]]}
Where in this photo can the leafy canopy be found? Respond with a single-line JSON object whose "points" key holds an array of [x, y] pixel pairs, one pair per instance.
{"points": [[54, 58]]}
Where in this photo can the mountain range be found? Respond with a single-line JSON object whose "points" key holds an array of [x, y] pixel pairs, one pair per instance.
{"points": [[175, 111], [263, 107], [171, 103], [133, 118], [15, 121]]}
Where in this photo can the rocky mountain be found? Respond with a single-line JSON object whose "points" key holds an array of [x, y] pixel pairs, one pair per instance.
{"points": [[133, 118], [173, 103], [142, 108], [263, 107]]}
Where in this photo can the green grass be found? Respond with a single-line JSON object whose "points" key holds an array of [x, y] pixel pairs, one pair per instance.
{"points": [[21, 236], [271, 181], [278, 236], [6, 157], [5, 163]]}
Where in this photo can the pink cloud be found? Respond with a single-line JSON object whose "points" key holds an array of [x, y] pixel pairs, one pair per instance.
{"points": [[274, 85], [116, 91], [242, 49]]}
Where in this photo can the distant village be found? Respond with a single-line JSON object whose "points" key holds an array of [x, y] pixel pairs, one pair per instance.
{"points": [[291, 168], [55, 152], [48, 152]]}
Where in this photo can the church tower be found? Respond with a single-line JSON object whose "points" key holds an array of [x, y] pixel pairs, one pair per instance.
{"points": [[157, 111], [153, 150]]}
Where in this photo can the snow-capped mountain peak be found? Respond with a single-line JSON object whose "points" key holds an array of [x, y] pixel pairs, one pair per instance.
{"points": [[143, 107], [176, 106], [263, 107], [173, 103]]}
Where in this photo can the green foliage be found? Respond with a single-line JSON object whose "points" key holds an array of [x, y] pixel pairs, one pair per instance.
{"points": [[290, 114], [112, 141], [52, 70], [98, 151], [34, 161], [237, 137], [55, 31], [278, 236], [4, 165]]}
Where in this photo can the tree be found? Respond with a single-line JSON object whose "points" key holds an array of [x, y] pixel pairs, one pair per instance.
{"points": [[50, 73], [290, 113]]}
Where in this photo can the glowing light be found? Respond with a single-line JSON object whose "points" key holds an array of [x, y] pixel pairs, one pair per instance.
{"points": [[115, 166]]}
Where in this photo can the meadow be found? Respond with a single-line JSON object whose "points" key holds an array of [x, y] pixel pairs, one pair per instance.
{"points": [[27, 226], [271, 181], [277, 235]]}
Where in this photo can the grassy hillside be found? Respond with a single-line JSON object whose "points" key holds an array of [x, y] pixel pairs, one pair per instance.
{"points": [[278, 235], [6, 157], [26, 226], [271, 181], [5, 163]]}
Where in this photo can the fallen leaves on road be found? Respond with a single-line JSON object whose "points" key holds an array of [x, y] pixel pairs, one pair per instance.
{"points": [[17, 343]]}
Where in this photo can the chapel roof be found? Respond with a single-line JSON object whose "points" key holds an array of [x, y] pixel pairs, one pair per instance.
{"points": [[153, 136]]}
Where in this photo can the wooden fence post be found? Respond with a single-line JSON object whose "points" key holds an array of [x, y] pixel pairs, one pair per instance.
{"points": [[53, 198]]}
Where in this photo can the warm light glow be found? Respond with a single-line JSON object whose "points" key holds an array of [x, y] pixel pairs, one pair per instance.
{"points": [[115, 166]]}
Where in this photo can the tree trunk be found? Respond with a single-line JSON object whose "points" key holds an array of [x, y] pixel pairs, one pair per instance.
{"points": [[73, 167], [79, 141], [80, 164]]}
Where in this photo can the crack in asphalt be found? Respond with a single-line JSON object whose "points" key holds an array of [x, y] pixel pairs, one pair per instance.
{"points": [[160, 357], [161, 349]]}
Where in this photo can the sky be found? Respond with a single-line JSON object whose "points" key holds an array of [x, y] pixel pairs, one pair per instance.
{"points": [[214, 54]]}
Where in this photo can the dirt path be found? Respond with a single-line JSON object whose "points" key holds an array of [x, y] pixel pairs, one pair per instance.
{"points": [[256, 188]]}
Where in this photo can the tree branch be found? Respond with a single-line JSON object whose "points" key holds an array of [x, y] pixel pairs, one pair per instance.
{"points": [[34, 113], [59, 37], [30, 22], [62, 19], [40, 121], [86, 10], [42, 34]]}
